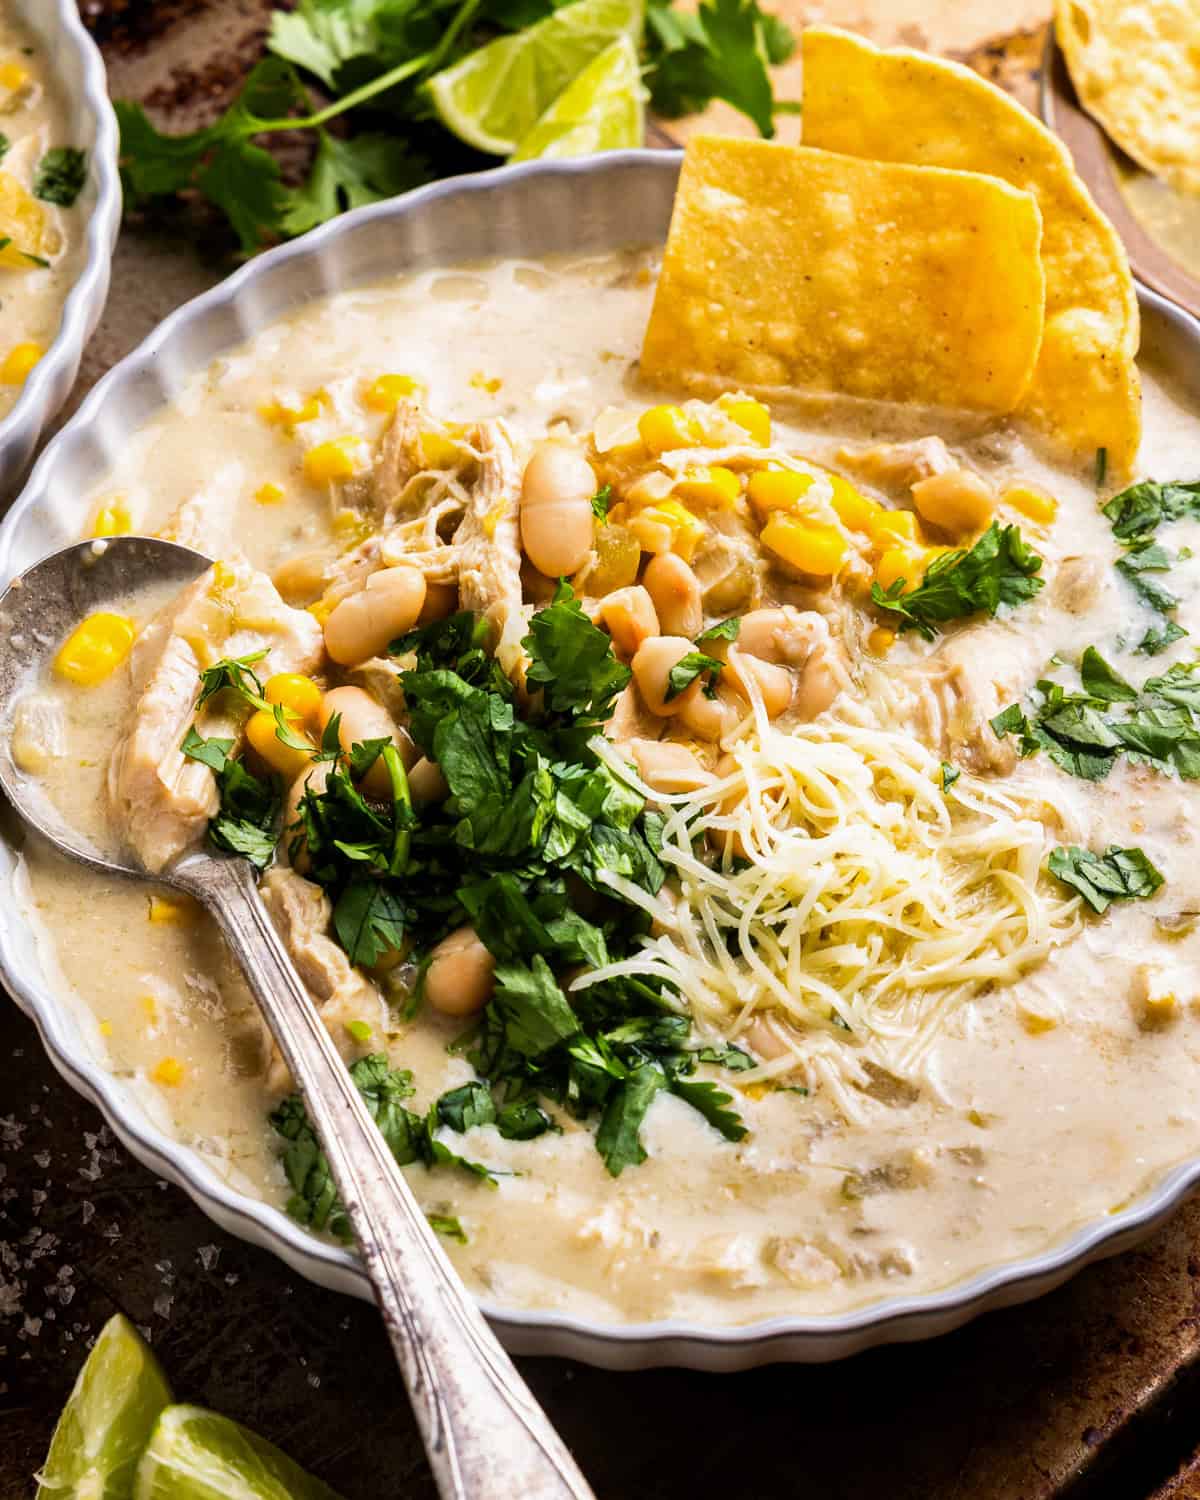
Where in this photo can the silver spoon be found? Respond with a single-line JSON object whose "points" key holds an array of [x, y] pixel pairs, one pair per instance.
{"points": [[485, 1435]]}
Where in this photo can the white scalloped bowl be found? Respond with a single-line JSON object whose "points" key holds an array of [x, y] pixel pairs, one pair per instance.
{"points": [[78, 70], [533, 209]]}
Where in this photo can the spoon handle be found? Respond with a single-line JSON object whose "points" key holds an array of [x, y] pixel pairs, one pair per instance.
{"points": [[485, 1435]]}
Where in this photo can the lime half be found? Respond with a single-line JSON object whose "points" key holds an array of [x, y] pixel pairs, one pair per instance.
{"points": [[196, 1455], [601, 110], [493, 97], [107, 1421]]}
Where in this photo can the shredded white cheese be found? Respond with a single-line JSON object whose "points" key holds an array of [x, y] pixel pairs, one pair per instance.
{"points": [[828, 893]]}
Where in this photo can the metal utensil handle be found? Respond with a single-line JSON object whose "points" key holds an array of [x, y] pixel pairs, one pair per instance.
{"points": [[486, 1436]]}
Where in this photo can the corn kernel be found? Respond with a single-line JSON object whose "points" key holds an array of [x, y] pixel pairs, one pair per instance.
{"points": [[260, 732], [321, 610], [17, 364], [651, 531], [106, 1028], [13, 76], [169, 1072], [336, 459], [880, 641], [1032, 502], [290, 417], [957, 501], [172, 911], [853, 509], [387, 392], [489, 383], [777, 489], [686, 530], [269, 493], [112, 519], [360, 1031], [753, 416], [665, 427], [897, 563], [805, 545], [887, 527], [94, 649], [298, 694], [438, 452], [223, 578], [709, 485]]}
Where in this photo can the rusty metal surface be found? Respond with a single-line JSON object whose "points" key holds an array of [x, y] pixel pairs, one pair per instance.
{"points": [[1090, 1392]]}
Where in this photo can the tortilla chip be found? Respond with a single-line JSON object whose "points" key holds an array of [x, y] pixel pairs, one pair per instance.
{"points": [[904, 106], [788, 267], [1135, 65]]}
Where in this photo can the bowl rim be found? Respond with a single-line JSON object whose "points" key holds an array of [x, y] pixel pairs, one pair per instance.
{"points": [[805, 1337], [48, 384]]}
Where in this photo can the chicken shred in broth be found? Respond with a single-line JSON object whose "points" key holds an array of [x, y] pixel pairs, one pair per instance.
{"points": [[854, 1017]]}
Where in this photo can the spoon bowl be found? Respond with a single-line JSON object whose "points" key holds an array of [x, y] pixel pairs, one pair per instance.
{"points": [[484, 1433]]}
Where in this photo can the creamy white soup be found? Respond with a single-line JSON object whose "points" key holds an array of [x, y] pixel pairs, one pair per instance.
{"points": [[793, 990], [41, 227]]}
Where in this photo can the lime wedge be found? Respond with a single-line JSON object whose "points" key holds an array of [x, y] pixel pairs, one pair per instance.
{"points": [[196, 1455], [600, 110], [107, 1421], [493, 97]]}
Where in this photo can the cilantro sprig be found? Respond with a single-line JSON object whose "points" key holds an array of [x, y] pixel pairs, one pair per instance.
{"points": [[1135, 515], [1116, 875], [370, 60], [1086, 732], [1000, 569]]}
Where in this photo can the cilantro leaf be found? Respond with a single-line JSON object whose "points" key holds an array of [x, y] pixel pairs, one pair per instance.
{"points": [[950, 774], [719, 52], [60, 175], [249, 813], [347, 174], [601, 501], [1102, 681], [463, 1108], [1000, 569], [235, 672], [618, 1138], [448, 1225], [723, 630], [573, 660], [1159, 637], [536, 1013], [1180, 685], [1137, 512], [1138, 564], [4, 145], [687, 669], [710, 1100], [369, 920], [1101, 879]]}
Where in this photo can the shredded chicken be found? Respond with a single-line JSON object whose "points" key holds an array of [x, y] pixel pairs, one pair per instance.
{"points": [[161, 800], [303, 918], [963, 686], [897, 466]]}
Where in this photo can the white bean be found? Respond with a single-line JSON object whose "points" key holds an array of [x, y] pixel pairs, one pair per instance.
{"points": [[362, 625], [630, 618], [556, 509], [652, 665], [675, 590], [364, 719], [461, 974]]}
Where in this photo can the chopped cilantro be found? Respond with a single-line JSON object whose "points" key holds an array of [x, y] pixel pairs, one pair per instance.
{"points": [[1101, 467], [601, 501], [1137, 512], [1000, 569], [723, 630], [60, 176], [410, 1138], [950, 775], [237, 674], [1101, 879], [687, 669], [4, 145], [448, 1225], [247, 823]]}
